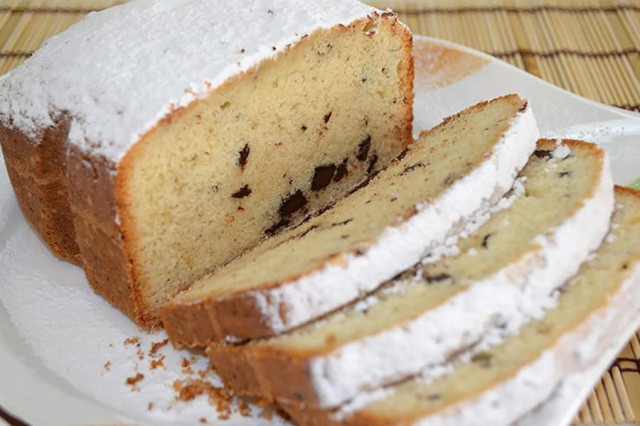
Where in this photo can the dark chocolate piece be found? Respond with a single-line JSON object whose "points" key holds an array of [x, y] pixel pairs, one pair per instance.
{"points": [[322, 177], [242, 192], [363, 148], [244, 154]]}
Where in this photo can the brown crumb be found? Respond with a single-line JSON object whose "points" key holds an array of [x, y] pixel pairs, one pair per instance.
{"points": [[140, 354], [187, 390], [202, 374], [150, 406], [244, 408], [132, 381], [107, 366], [185, 362], [156, 346], [202, 420], [132, 341], [187, 371], [155, 363], [267, 414]]}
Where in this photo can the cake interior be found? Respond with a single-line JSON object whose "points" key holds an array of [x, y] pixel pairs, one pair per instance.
{"points": [[507, 237], [596, 283], [263, 151], [427, 169]]}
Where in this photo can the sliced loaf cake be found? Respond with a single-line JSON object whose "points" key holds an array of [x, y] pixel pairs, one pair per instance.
{"points": [[497, 385], [503, 277], [452, 172], [207, 126]]}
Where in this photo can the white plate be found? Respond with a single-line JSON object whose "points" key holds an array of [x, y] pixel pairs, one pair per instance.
{"points": [[56, 335]]}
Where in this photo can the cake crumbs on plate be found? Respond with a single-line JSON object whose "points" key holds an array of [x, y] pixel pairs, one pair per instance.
{"points": [[150, 406], [133, 381], [155, 363], [155, 346], [202, 420], [107, 366], [243, 408], [189, 389], [132, 341]]}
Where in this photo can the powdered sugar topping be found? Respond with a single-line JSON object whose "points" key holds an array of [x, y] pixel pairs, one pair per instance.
{"points": [[119, 71]]}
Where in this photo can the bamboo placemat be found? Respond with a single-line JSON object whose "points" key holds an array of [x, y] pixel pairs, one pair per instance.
{"points": [[590, 47]]}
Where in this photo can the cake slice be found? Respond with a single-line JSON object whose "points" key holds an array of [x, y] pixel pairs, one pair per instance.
{"points": [[454, 171], [207, 126], [503, 276], [501, 383]]}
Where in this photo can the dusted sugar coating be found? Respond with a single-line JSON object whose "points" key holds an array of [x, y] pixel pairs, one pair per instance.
{"points": [[154, 142], [457, 169], [148, 58], [504, 276], [499, 384]]}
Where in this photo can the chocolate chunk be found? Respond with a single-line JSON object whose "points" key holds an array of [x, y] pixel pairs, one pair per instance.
{"points": [[341, 171], [542, 154], [485, 241], [403, 154], [564, 174], [292, 204], [242, 192], [363, 148], [277, 226], [322, 177], [303, 128], [437, 278], [327, 117], [244, 154], [372, 163]]}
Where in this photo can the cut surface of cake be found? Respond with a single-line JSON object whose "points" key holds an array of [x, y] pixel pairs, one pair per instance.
{"points": [[499, 384], [206, 127], [502, 277], [451, 173]]}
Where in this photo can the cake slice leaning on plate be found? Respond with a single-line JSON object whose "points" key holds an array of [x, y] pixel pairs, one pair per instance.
{"points": [[502, 278], [499, 384], [451, 173]]}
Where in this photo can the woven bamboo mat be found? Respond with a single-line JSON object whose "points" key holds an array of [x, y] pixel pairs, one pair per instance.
{"points": [[590, 47]]}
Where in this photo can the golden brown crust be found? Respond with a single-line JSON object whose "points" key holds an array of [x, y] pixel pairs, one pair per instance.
{"points": [[92, 201], [304, 417], [627, 191], [250, 376], [37, 172]]}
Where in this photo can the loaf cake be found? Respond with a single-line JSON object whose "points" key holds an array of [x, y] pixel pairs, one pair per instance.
{"points": [[158, 140], [439, 182], [503, 276], [502, 382]]}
